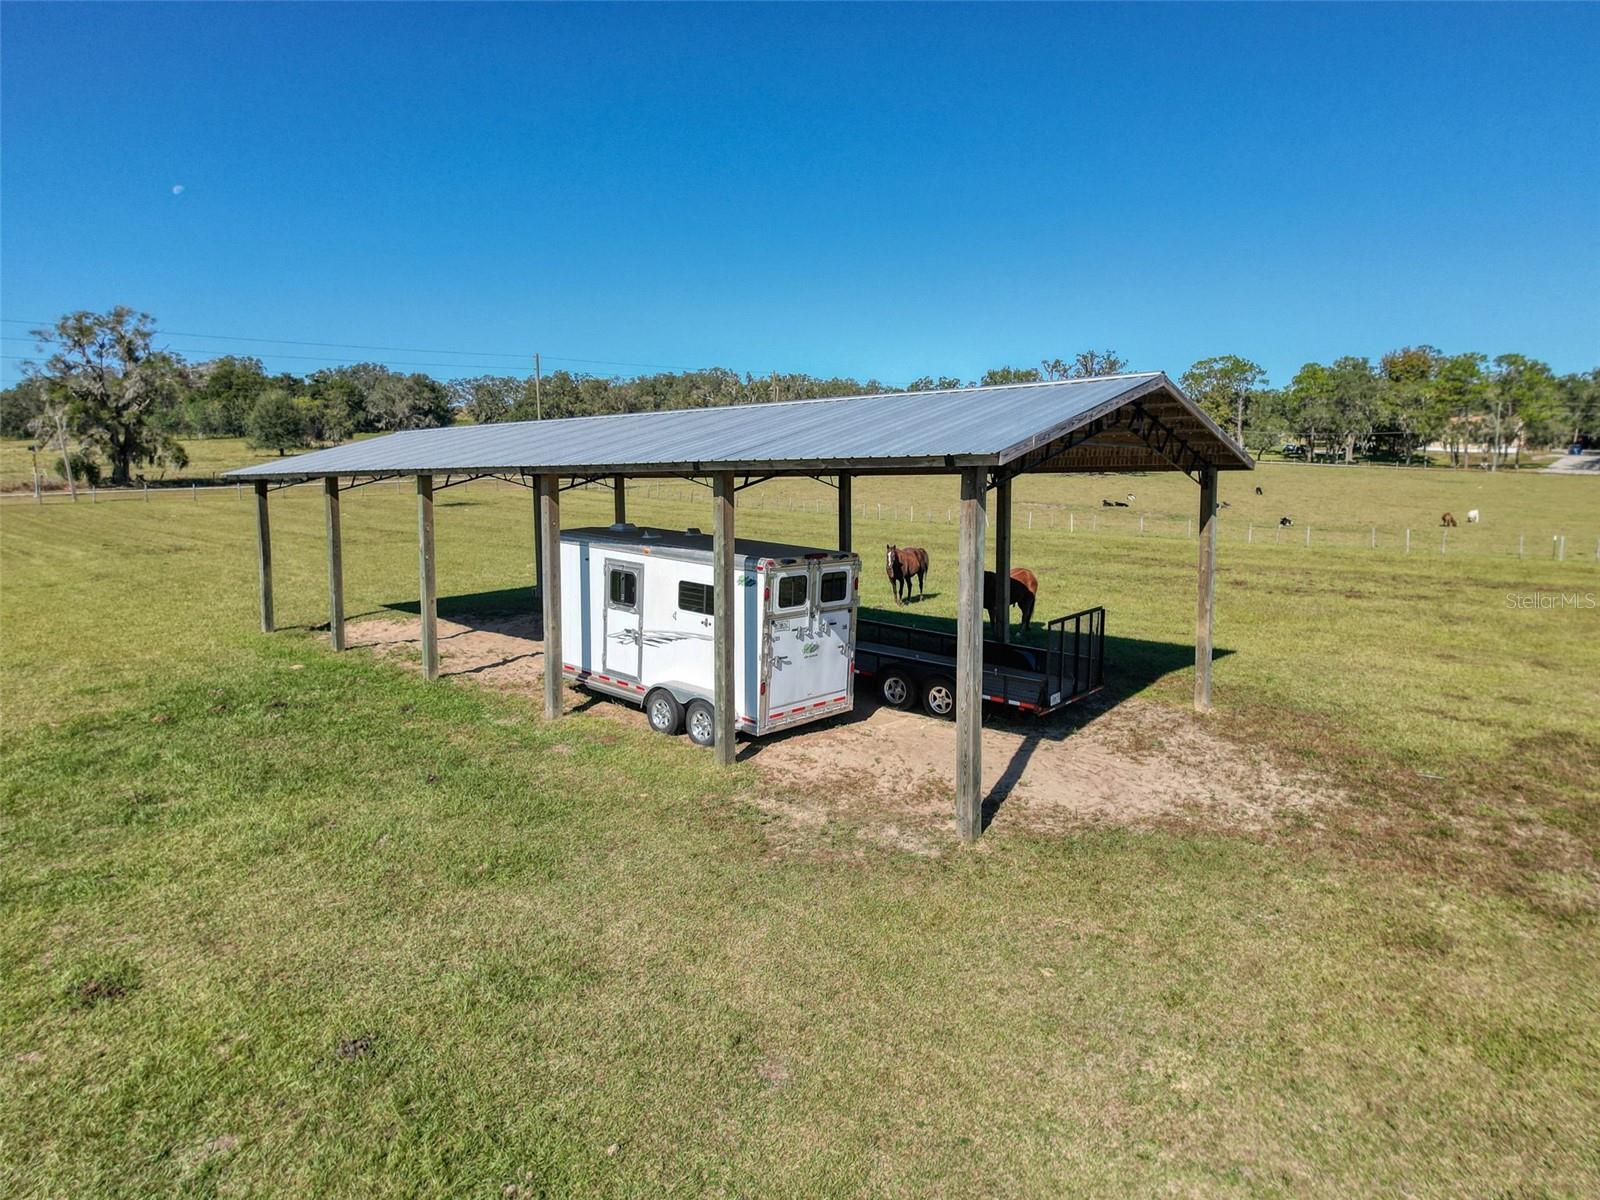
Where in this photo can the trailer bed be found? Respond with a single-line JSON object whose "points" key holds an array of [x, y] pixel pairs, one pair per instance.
{"points": [[1037, 679]]}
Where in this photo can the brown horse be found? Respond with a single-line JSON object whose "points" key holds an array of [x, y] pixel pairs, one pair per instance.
{"points": [[904, 564], [1024, 591]]}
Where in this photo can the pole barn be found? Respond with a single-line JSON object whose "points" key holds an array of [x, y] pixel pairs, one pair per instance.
{"points": [[986, 437]]}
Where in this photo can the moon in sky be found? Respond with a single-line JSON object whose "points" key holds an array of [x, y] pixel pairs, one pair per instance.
{"points": [[177, 189]]}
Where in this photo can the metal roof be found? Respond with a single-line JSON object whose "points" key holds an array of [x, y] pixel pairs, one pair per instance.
{"points": [[940, 430]]}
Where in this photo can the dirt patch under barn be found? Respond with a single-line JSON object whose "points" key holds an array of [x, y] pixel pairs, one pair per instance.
{"points": [[890, 774]]}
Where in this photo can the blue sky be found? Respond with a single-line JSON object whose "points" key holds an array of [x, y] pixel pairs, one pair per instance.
{"points": [[872, 191]]}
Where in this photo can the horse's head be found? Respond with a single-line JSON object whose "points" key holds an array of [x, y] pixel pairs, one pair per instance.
{"points": [[890, 554]]}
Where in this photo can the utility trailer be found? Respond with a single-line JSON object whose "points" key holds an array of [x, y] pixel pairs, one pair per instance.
{"points": [[637, 619], [909, 664]]}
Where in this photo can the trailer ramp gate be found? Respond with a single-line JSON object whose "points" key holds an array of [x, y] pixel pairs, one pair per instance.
{"points": [[1037, 679]]}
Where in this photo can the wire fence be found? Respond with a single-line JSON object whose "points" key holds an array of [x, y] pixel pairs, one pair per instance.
{"points": [[1472, 539]]}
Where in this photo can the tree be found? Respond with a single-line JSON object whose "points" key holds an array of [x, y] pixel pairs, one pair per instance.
{"points": [[1225, 387], [487, 398], [1409, 411], [408, 402], [21, 406], [1524, 401], [928, 383], [50, 426], [224, 393], [1004, 375], [276, 422], [102, 366], [1580, 406]]}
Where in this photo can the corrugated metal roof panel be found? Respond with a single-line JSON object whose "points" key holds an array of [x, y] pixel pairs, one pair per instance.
{"points": [[971, 425]]}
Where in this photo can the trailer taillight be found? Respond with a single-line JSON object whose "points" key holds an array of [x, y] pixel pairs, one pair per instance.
{"points": [[766, 593], [763, 690]]}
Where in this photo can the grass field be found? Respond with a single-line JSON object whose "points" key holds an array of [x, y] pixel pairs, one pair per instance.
{"points": [[276, 920]]}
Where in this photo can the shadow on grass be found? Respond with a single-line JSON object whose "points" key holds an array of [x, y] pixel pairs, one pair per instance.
{"points": [[1131, 666]]}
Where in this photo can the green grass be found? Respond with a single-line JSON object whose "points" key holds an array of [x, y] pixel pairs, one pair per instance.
{"points": [[208, 459], [275, 920]]}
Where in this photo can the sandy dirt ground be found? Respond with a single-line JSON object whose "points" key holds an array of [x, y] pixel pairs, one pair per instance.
{"points": [[888, 775]]}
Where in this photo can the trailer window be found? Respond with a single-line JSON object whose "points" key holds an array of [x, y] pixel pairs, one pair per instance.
{"points": [[696, 597], [792, 591], [624, 589], [835, 586]]}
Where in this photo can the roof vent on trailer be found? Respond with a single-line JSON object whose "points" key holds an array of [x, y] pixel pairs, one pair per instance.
{"points": [[621, 527], [694, 531], [649, 535]]}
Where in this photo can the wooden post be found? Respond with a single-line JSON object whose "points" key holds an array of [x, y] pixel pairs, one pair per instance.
{"points": [[264, 555], [550, 591], [1206, 589], [1002, 558], [430, 598], [969, 657], [538, 543], [619, 499], [330, 489], [724, 600], [844, 510]]}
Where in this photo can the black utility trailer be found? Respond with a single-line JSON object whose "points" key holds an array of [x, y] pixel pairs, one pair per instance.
{"points": [[908, 664]]}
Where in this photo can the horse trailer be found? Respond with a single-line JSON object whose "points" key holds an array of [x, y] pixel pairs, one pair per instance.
{"points": [[637, 616]]}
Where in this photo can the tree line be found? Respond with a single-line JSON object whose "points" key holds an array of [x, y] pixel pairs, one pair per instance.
{"points": [[110, 404]]}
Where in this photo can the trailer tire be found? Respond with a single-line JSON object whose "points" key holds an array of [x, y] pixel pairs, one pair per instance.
{"points": [[662, 710], [897, 689], [700, 721], [939, 697]]}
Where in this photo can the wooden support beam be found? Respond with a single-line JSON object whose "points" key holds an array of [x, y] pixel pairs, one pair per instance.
{"points": [[550, 591], [844, 510], [1206, 589], [969, 657], [330, 491], [724, 599], [1002, 557], [538, 543], [430, 595], [619, 499], [264, 555]]}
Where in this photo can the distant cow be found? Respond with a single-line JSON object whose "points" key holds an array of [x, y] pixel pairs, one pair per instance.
{"points": [[1472, 516], [1259, 492], [1119, 503], [1285, 522], [1448, 520]]}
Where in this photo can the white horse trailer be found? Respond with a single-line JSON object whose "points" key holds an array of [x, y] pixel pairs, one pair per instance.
{"points": [[636, 622]]}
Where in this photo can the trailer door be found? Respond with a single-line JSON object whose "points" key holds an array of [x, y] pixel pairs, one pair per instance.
{"points": [[624, 608], [789, 608]]}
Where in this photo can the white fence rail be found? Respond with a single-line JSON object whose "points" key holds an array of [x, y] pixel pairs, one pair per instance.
{"points": [[1476, 540]]}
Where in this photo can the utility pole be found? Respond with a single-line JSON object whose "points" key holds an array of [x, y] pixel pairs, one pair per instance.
{"points": [[538, 388]]}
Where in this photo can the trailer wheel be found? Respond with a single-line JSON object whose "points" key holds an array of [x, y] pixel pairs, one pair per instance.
{"points": [[701, 723], [896, 688], [663, 711], [939, 697]]}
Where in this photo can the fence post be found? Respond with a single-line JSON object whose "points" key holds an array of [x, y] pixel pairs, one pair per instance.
{"points": [[194, 492], [1030, 517], [1408, 541], [1519, 545], [1308, 535], [1444, 539], [1249, 534], [1561, 547], [1141, 522], [238, 490], [92, 499], [1374, 537], [1072, 522]]}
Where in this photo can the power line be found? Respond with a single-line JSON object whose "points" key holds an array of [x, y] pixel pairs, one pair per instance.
{"points": [[226, 337]]}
